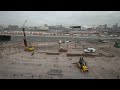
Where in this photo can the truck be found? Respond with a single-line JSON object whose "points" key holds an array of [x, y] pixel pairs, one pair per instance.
{"points": [[90, 50]]}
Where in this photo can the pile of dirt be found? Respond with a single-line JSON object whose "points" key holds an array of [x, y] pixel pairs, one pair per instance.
{"points": [[55, 72]]}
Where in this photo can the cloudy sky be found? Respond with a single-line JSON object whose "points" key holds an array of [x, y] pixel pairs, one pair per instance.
{"points": [[66, 18]]}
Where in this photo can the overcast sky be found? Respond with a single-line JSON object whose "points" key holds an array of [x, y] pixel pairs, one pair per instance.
{"points": [[65, 18]]}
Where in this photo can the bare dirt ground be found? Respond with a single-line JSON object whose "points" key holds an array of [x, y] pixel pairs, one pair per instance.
{"points": [[19, 64]]}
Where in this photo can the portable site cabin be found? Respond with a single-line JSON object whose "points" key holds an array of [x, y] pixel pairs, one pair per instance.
{"points": [[5, 38], [117, 44]]}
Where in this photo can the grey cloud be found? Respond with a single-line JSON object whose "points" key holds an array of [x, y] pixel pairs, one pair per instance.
{"points": [[37, 18]]}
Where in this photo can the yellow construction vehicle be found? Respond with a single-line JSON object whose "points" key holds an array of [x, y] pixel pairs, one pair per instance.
{"points": [[83, 68], [29, 48], [82, 65]]}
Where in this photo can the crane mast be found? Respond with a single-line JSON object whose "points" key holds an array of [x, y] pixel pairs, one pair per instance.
{"points": [[25, 40]]}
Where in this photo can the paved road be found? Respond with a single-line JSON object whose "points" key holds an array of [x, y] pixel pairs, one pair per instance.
{"points": [[94, 37]]}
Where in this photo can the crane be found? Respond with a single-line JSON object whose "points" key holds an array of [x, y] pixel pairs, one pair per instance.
{"points": [[25, 41], [27, 48]]}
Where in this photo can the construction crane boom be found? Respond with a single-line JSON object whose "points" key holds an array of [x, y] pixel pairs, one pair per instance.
{"points": [[25, 23], [25, 41]]}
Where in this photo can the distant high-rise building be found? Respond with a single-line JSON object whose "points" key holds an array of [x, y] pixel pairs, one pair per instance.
{"points": [[89, 28], [60, 25], [35, 28], [1, 27], [115, 27], [13, 27], [102, 27], [45, 25]]}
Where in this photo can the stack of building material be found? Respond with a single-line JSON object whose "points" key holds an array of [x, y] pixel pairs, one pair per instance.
{"points": [[62, 50], [52, 53], [55, 72], [74, 54]]}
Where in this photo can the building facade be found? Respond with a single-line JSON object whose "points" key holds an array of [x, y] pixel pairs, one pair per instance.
{"points": [[45, 28], [13, 27], [115, 27], [102, 27], [57, 27]]}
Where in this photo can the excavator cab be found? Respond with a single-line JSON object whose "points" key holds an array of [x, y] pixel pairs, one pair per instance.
{"points": [[82, 65]]}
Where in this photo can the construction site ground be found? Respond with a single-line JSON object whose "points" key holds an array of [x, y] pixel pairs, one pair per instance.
{"points": [[15, 63]]}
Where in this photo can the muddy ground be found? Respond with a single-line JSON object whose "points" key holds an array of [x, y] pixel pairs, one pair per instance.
{"points": [[15, 63]]}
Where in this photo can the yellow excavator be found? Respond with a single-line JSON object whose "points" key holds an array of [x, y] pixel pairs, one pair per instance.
{"points": [[82, 65], [27, 48]]}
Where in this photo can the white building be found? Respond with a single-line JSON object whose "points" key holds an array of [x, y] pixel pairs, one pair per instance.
{"points": [[43, 28], [13, 27]]}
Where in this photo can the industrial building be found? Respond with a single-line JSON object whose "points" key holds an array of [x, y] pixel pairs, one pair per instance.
{"points": [[75, 27]]}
